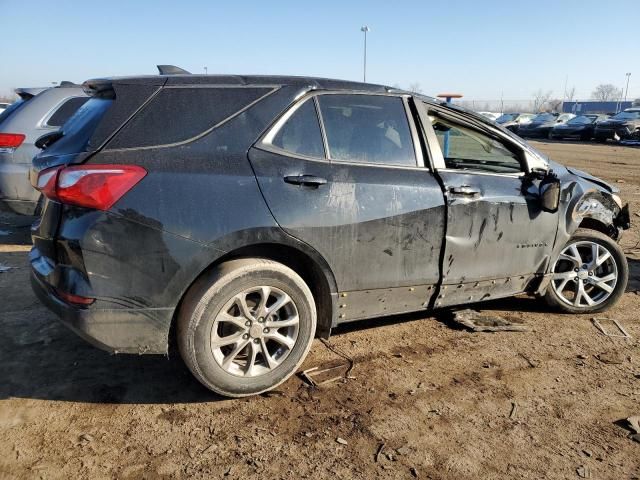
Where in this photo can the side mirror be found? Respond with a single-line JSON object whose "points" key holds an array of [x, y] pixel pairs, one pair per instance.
{"points": [[550, 193]]}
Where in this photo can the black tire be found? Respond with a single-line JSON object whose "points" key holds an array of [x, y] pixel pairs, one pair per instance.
{"points": [[601, 139], [205, 300], [617, 255]]}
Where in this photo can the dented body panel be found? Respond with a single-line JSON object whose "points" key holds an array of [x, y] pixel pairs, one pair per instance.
{"points": [[373, 240]]}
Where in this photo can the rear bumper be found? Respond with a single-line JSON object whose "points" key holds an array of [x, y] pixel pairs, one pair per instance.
{"points": [[142, 330]]}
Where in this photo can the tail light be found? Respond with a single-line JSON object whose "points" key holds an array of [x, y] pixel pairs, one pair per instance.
{"points": [[89, 186], [11, 140]]}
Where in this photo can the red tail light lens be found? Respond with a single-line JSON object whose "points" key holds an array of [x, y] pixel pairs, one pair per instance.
{"points": [[90, 186], [74, 299], [11, 140]]}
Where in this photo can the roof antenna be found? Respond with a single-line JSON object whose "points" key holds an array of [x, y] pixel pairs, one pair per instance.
{"points": [[171, 70]]}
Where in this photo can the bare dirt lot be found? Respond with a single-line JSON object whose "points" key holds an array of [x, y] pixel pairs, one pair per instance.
{"points": [[425, 399]]}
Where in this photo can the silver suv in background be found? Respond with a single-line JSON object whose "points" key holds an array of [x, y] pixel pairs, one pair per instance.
{"points": [[37, 112]]}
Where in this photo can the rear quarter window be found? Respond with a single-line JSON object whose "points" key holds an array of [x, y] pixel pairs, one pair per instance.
{"points": [[65, 111], [176, 115]]}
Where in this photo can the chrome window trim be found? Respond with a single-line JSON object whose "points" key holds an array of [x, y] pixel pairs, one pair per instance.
{"points": [[42, 124]]}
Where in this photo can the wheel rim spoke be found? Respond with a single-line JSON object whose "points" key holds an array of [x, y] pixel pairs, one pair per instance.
{"points": [[589, 289], [289, 322], [248, 327]]}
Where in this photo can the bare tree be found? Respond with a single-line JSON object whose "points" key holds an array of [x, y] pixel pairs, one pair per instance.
{"points": [[415, 87], [555, 105], [571, 94], [540, 98], [606, 92]]}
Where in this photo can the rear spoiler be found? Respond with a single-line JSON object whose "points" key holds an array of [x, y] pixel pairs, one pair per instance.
{"points": [[102, 88], [27, 93], [171, 70]]}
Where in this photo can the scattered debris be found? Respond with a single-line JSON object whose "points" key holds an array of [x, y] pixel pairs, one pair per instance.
{"points": [[514, 409], [86, 438], [340, 353], [5, 268], [342, 441], [477, 322], [414, 472], [213, 446], [610, 358], [588, 453], [379, 452], [583, 472], [316, 371], [528, 360], [634, 423], [598, 325]]}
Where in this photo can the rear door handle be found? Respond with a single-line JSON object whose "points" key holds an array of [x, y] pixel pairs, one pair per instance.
{"points": [[306, 180], [463, 190]]}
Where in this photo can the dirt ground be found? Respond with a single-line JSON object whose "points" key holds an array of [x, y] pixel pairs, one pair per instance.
{"points": [[425, 399]]}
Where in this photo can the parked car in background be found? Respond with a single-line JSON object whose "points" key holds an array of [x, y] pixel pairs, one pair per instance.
{"points": [[542, 124], [248, 214], [493, 116], [512, 121], [620, 126], [37, 112], [3, 106], [582, 127]]}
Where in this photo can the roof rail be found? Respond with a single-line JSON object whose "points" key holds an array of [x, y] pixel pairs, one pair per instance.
{"points": [[171, 70]]}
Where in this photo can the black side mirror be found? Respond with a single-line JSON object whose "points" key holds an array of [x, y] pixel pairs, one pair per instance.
{"points": [[48, 138], [550, 193]]}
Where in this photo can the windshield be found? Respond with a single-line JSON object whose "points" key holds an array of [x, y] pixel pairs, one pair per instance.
{"points": [[507, 117], [627, 116], [581, 120], [544, 117]]}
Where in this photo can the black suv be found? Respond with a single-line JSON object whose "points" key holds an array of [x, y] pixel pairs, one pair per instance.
{"points": [[623, 125], [249, 214]]}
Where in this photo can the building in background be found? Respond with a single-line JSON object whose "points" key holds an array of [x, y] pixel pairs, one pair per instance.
{"points": [[579, 107]]}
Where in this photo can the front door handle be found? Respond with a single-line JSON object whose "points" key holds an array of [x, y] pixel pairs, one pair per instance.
{"points": [[463, 190], [306, 180]]}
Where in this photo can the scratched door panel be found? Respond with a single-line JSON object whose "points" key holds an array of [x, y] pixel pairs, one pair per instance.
{"points": [[376, 226], [498, 233]]}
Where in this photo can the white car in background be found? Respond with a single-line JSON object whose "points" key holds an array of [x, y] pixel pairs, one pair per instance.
{"points": [[3, 106], [493, 116]]}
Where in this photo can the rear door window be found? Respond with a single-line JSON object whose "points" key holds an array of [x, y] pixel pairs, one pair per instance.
{"points": [[176, 115], [301, 133], [367, 129], [65, 111]]}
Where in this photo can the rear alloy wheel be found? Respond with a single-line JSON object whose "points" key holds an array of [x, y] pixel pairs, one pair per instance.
{"points": [[589, 275], [246, 327]]}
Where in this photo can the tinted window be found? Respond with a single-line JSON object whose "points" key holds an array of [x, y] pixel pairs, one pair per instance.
{"points": [[64, 112], [581, 120], [367, 129], [79, 128], [179, 114], [626, 115], [544, 117], [301, 133], [466, 148], [12, 108]]}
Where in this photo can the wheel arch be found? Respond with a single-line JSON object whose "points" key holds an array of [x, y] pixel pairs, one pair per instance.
{"points": [[311, 267]]}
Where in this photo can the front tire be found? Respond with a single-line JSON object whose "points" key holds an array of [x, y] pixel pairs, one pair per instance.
{"points": [[246, 327], [590, 274]]}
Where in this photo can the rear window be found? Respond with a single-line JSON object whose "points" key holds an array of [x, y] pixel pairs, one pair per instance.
{"points": [[301, 133], [65, 111], [78, 129], [15, 106], [178, 114]]}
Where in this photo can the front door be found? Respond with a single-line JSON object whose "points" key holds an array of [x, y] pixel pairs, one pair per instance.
{"points": [[497, 237], [344, 173]]}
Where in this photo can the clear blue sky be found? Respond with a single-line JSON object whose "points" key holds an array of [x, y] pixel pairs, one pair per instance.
{"points": [[479, 48]]}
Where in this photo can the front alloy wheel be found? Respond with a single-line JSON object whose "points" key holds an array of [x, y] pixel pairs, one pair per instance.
{"points": [[589, 275]]}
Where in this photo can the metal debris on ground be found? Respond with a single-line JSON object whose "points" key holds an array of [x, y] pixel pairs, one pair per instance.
{"points": [[311, 374], [623, 333], [479, 322], [634, 423], [514, 409], [379, 452], [5, 268]]}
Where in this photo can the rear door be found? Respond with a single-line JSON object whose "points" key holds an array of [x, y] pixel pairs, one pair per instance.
{"points": [[345, 173], [497, 237]]}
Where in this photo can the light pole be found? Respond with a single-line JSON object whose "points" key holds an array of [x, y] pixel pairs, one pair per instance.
{"points": [[364, 29], [627, 89]]}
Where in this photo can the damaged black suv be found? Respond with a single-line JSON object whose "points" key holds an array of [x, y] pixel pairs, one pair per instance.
{"points": [[243, 216]]}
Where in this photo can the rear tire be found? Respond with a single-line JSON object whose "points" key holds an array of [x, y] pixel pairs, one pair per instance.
{"points": [[228, 326], [580, 284]]}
